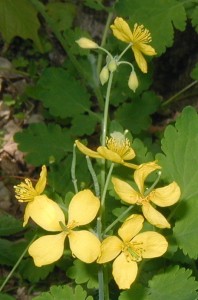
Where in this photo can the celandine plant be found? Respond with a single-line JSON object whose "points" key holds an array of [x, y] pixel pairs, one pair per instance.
{"points": [[117, 246]]}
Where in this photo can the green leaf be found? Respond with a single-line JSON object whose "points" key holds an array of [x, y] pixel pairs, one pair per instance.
{"points": [[9, 225], [180, 146], [88, 121], [159, 18], [194, 73], [82, 273], [44, 144], [186, 227], [174, 283], [194, 18], [62, 94], [19, 18], [135, 116], [6, 297], [64, 292], [32, 273], [62, 14], [10, 252], [136, 291]]}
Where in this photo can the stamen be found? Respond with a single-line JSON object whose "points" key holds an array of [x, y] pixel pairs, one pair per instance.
{"points": [[25, 191]]}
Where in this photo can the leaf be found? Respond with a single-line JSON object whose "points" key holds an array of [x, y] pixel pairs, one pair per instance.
{"points": [[9, 225], [194, 18], [19, 18], [62, 94], [174, 283], [83, 124], [135, 116], [10, 252], [62, 14], [64, 292], [6, 297], [180, 146], [136, 291], [32, 273], [159, 18], [186, 227], [44, 144], [194, 73], [82, 273]]}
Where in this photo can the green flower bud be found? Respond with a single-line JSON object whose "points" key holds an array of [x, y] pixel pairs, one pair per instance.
{"points": [[104, 75], [112, 65], [133, 81]]}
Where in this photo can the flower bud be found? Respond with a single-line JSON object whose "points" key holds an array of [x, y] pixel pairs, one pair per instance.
{"points": [[104, 75], [87, 43], [112, 65], [133, 81]]}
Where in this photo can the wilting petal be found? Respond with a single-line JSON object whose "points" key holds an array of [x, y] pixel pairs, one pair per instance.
{"points": [[40, 186], [44, 212], [85, 150], [84, 245], [83, 208], [121, 30], [47, 249], [154, 217], [125, 191], [142, 172], [167, 195], [124, 272], [152, 243], [131, 227], [110, 248], [109, 154]]}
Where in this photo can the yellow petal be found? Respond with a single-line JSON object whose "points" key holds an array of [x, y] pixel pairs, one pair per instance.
{"points": [[40, 186], [83, 208], [125, 191], [130, 154], [131, 227], [129, 165], [124, 272], [110, 248], [84, 245], [44, 212], [121, 30], [152, 243], [142, 172], [140, 60], [109, 154], [167, 195], [87, 43], [154, 217], [47, 249], [85, 150], [147, 49]]}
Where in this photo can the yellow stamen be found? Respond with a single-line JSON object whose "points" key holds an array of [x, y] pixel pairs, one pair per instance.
{"points": [[25, 192]]}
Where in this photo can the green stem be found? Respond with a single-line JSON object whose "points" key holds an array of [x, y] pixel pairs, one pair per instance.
{"points": [[81, 71], [73, 169], [104, 37], [94, 177], [123, 52], [154, 184], [106, 186], [171, 99], [118, 219], [16, 265]]}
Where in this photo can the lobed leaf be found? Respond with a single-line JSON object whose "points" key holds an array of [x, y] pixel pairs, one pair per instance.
{"points": [[174, 283], [44, 144], [9, 225]]}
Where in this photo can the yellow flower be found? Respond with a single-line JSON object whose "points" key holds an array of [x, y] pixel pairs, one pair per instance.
{"points": [[83, 244], [162, 197], [130, 249], [25, 192], [139, 39], [117, 150]]}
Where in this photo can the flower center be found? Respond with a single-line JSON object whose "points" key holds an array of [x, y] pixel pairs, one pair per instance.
{"points": [[133, 251], [118, 144], [141, 34], [25, 191]]}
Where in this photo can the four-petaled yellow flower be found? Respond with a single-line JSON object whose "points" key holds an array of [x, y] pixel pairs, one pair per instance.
{"points": [[84, 245], [25, 192], [139, 39], [130, 249], [163, 197], [117, 150]]}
